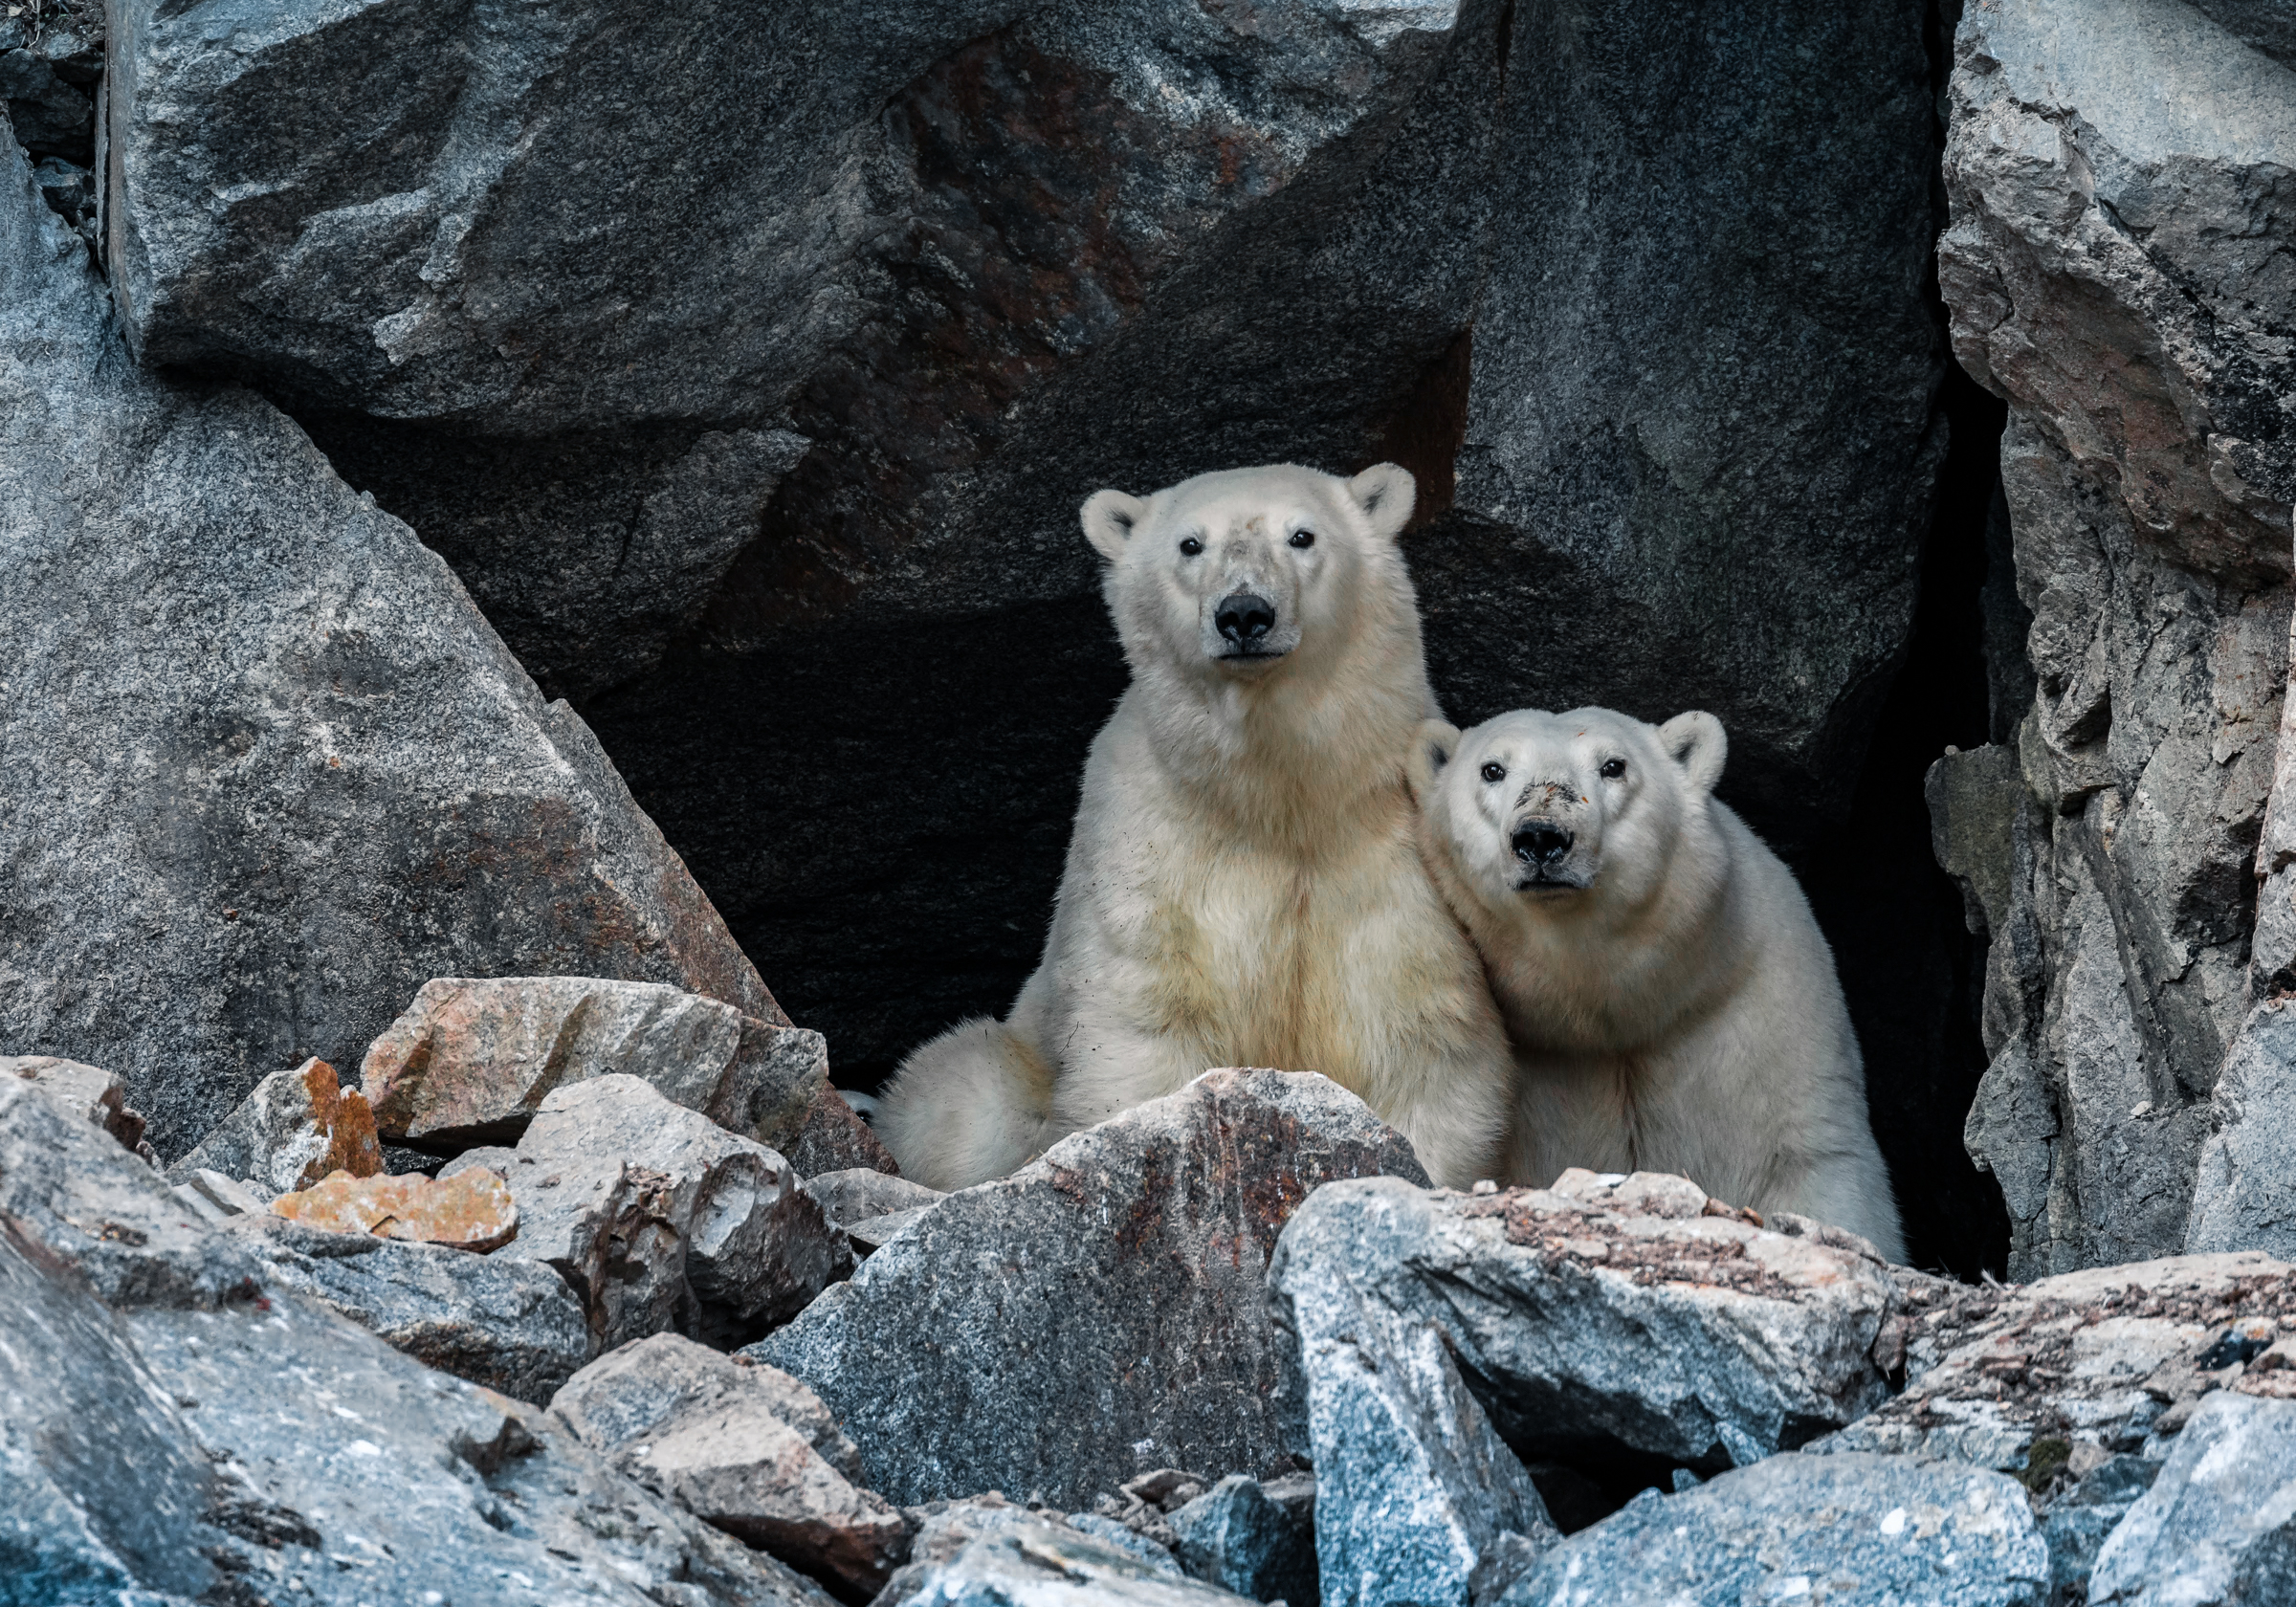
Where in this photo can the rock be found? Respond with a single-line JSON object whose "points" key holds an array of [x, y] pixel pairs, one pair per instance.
{"points": [[98, 1095], [1596, 473], [472, 1211], [50, 117], [989, 1553], [1853, 1530], [1413, 1486], [363, 789], [472, 1059], [510, 1325], [1604, 1312], [227, 1196], [2244, 1190], [1143, 1340], [744, 1447], [295, 1128], [2219, 1523], [2103, 1361], [856, 1194], [1235, 1537], [167, 1426], [835, 1139], [2104, 272], [660, 1220], [2076, 1519]]}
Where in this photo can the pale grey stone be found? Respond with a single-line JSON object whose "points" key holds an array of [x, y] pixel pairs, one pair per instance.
{"points": [[2219, 1526], [1235, 1537], [2246, 1196], [1852, 1531], [1101, 1312], [87, 1090], [988, 1554]]}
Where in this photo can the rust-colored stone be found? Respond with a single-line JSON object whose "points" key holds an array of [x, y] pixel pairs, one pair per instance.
{"points": [[472, 1210], [342, 1114]]}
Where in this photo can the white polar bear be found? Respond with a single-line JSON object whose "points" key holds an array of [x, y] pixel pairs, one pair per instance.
{"points": [[1244, 885], [1673, 1004]]}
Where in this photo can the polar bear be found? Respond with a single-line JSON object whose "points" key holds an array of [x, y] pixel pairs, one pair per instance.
{"points": [[1242, 885], [1672, 1004]]}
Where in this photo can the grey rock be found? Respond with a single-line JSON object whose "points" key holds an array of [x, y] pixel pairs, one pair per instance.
{"points": [[361, 788], [2114, 173], [2076, 1524], [51, 118], [990, 1553], [1863, 1529], [1973, 799], [87, 1090], [744, 1447], [1413, 1484], [192, 1433], [229, 1196], [875, 1232], [858, 1194], [662, 1220], [1602, 1311], [835, 1138], [1100, 1311], [1606, 465], [472, 1059], [1235, 1537], [510, 1325], [292, 1130], [2047, 1379], [2245, 1197], [2219, 1523]]}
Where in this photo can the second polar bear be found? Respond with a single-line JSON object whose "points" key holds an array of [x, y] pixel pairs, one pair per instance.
{"points": [[1673, 1004], [1242, 885]]}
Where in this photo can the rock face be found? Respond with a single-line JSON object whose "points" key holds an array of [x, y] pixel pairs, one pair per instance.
{"points": [[659, 1219], [1855, 1531], [510, 1325], [1099, 1312], [472, 1059], [1593, 469], [472, 1211], [744, 1447], [169, 1426], [2220, 1523], [2115, 174], [361, 789], [294, 1129]]}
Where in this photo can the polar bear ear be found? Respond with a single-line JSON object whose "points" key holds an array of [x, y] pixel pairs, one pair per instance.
{"points": [[1432, 746], [1695, 741], [1109, 517], [1385, 492]]}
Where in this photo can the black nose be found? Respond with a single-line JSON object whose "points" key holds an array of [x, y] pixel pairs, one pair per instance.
{"points": [[1245, 618], [1540, 843]]}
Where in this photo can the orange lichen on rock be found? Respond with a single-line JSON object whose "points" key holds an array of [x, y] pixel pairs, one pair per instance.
{"points": [[342, 1114], [469, 1211]]}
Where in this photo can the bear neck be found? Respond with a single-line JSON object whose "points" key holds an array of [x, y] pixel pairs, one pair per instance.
{"points": [[1308, 758], [1610, 974]]}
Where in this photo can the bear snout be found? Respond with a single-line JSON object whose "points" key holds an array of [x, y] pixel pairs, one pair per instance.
{"points": [[1243, 620], [1540, 844]]}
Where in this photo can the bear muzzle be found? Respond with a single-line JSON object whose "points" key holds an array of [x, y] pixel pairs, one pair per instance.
{"points": [[1544, 850], [1247, 624]]}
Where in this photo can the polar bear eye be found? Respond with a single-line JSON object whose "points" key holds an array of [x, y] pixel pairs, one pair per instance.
{"points": [[1613, 769], [1494, 772], [1303, 538], [1189, 546]]}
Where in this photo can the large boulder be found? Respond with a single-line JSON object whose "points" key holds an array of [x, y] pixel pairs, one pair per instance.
{"points": [[215, 864], [2219, 1526], [2116, 174], [170, 1421], [1100, 1312]]}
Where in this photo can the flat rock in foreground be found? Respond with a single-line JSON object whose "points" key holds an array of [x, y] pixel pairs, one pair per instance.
{"points": [[170, 1424], [1100, 1312], [1852, 1531]]}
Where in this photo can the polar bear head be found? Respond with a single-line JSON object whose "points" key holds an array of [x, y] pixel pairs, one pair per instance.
{"points": [[1247, 573], [1579, 810]]}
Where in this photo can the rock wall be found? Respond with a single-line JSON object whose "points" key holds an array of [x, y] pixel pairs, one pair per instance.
{"points": [[267, 769], [2119, 268]]}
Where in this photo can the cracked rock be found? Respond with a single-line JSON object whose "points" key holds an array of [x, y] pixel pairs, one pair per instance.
{"points": [[744, 1447], [1101, 1312], [2219, 1526]]}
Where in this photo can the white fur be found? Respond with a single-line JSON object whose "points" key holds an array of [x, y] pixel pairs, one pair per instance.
{"points": [[1673, 1002], [1244, 885]]}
